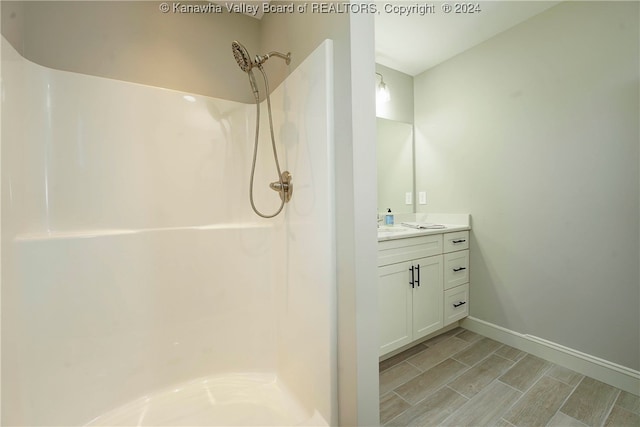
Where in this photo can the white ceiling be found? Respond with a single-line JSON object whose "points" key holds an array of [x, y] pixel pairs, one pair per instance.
{"points": [[413, 44]]}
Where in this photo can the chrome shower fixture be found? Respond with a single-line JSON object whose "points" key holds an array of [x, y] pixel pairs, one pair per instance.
{"points": [[241, 55], [283, 185], [243, 58], [261, 59]]}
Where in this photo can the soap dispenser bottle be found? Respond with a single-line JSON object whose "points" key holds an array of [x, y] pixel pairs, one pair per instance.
{"points": [[388, 218]]}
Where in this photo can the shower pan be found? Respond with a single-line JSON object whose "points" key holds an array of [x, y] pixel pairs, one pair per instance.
{"points": [[138, 289]]}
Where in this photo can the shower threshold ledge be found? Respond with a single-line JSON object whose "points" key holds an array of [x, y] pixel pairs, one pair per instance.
{"points": [[105, 232]]}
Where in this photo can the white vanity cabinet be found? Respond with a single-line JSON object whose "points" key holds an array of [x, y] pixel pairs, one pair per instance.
{"points": [[410, 280], [423, 285]]}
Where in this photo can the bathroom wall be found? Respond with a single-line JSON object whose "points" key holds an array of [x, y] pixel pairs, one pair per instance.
{"points": [[535, 133], [400, 85], [134, 41], [300, 33], [306, 314], [355, 194]]}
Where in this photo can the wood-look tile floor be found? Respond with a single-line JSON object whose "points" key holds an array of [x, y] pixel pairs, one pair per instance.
{"points": [[461, 378]]}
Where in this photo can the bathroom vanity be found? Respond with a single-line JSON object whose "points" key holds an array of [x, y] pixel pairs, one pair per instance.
{"points": [[423, 281]]}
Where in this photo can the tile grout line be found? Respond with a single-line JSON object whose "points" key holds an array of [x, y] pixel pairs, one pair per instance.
{"points": [[459, 408], [407, 361], [417, 367], [404, 360], [401, 398], [446, 385], [524, 392], [457, 392], [443, 386], [396, 364], [401, 384], [604, 419], [488, 385], [504, 358], [469, 344], [566, 398], [431, 394], [564, 382], [479, 361]]}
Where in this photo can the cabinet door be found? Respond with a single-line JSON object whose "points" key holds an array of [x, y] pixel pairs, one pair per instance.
{"points": [[428, 297], [394, 306]]}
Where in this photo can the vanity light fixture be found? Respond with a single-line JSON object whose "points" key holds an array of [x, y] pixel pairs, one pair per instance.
{"points": [[382, 91]]}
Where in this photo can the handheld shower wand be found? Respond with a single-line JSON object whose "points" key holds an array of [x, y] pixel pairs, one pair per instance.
{"points": [[241, 55], [283, 186]]}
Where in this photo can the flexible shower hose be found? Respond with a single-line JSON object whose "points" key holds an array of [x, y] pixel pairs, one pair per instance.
{"points": [[255, 146]]}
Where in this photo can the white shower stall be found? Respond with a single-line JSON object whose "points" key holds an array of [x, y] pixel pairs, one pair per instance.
{"points": [[138, 285]]}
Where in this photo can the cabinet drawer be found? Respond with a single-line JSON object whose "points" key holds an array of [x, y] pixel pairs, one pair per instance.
{"points": [[456, 269], [456, 241], [399, 250], [456, 303]]}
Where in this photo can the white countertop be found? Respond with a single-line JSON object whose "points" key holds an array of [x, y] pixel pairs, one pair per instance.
{"points": [[451, 222], [387, 232]]}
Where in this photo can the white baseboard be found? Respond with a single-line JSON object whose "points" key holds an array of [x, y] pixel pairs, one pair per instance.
{"points": [[602, 370]]}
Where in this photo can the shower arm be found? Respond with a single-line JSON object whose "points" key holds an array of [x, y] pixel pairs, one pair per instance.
{"points": [[261, 59]]}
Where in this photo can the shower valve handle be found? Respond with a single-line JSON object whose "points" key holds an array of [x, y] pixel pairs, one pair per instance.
{"points": [[283, 186], [277, 186]]}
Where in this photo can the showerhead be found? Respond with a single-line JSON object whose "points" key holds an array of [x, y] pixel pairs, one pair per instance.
{"points": [[242, 57]]}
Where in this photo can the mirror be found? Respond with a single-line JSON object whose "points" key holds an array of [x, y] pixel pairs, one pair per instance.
{"points": [[395, 166]]}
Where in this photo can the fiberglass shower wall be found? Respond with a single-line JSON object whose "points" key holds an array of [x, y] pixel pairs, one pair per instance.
{"points": [[131, 258]]}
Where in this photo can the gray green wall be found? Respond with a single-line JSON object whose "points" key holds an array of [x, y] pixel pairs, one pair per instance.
{"points": [[536, 133], [400, 106], [133, 41]]}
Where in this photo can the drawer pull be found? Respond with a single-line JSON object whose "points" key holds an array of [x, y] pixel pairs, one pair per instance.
{"points": [[458, 241], [459, 269], [459, 304]]}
